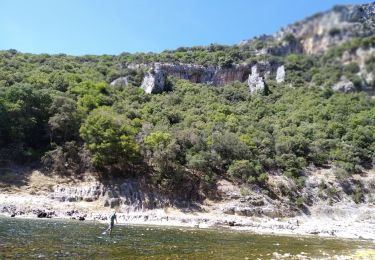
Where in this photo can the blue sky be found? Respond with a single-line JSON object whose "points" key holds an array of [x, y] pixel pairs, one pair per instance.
{"points": [[80, 27]]}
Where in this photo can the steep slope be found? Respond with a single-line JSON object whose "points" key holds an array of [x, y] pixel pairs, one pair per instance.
{"points": [[312, 36], [248, 129], [322, 31]]}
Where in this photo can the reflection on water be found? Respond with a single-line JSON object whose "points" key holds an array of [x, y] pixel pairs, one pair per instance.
{"points": [[26, 238]]}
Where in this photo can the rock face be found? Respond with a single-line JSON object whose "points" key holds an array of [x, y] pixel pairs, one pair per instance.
{"points": [[314, 35], [248, 200], [285, 47], [88, 192], [251, 204], [156, 78], [120, 81], [280, 74], [128, 195], [344, 85], [322, 31], [255, 81]]}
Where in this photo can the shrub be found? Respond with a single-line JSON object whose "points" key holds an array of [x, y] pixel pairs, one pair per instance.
{"points": [[284, 189], [244, 170], [357, 195], [300, 201]]}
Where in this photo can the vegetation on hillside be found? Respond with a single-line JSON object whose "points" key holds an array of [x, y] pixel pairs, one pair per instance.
{"points": [[61, 111]]}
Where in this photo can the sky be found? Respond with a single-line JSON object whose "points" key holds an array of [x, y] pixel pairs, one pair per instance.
{"points": [[79, 27]]}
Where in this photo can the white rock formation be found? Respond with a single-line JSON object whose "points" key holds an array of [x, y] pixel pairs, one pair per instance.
{"points": [[344, 85], [318, 33], [120, 81], [280, 74], [255, 80], [154, 80]]}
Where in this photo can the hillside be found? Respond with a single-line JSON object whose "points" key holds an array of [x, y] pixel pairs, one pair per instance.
{"points": [[264, 116]]}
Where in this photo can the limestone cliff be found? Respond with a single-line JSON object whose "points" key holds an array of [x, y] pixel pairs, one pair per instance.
{"points": [[120, 81], [312, 36], [324, 30], [155, 79]]}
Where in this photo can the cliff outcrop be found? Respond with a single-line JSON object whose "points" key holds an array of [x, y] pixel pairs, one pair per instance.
{"points": [[318, 33], [155, 80]]}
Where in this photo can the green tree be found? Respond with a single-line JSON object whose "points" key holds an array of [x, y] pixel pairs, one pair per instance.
{"points": [[64, 122], [24, 120], [110, 138], [245, 171]]}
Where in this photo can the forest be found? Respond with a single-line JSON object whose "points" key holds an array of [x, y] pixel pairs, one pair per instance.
{"points": [[60, 113]]}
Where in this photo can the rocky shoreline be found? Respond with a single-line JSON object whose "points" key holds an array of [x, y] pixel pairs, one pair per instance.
{"points": [[328, 208], [20, 207]]}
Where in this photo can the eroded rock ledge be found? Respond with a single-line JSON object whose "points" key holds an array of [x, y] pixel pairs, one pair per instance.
{"points": [[155, 80]]}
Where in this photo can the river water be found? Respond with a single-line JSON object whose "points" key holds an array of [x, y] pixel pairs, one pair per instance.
{"points": [[66, 239]]}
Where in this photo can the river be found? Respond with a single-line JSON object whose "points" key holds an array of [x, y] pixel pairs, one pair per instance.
{"points": [[51, 239]]}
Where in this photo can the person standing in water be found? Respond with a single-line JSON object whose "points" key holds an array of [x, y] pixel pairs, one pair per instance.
{"points": [[111, 222]]}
